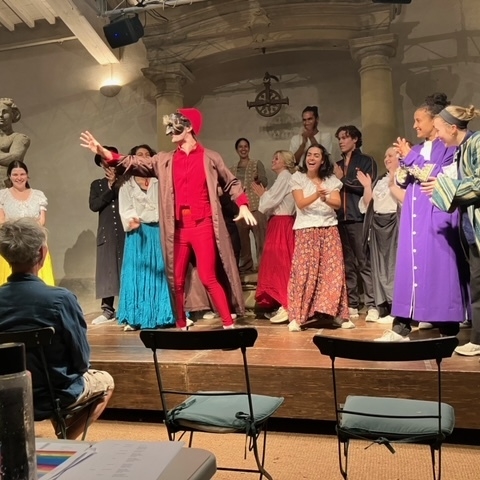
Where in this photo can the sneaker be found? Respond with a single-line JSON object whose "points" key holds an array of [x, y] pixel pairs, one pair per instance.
{"points": [[102, 319], [190, 323], [128, 328], [469, 349], [372, 315], [280, 317], [347, 325], [271, 314], [353, 312], [293, 326], [229, 327], [210, 315], [386, 319], [391, 336], [466, 324], [425, 326]]}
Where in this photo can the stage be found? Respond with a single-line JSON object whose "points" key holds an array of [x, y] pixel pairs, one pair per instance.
{"points": [[286, 364]]}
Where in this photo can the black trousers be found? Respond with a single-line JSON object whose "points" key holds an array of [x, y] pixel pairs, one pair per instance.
{"points": [[107, 307], [403, 327], [357, 264]]}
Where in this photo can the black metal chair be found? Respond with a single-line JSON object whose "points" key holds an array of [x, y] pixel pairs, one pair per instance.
{"points": [[35, 341], [386, 420], [214, 411]]}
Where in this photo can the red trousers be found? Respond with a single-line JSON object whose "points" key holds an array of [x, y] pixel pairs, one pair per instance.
{"points": [[197, 236]]}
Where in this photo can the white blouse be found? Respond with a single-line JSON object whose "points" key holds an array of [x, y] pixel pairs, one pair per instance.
{"points": [[383, 200], [278, 199], [133, 202], [318, 213], [31, 207]]}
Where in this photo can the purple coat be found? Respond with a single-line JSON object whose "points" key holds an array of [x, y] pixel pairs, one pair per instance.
{"points": [[430, 276]]}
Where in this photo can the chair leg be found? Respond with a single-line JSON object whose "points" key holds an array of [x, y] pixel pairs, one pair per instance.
{"points": [[437, 471], [190, 440], [343, 455], [261, 468], [87, 420]]}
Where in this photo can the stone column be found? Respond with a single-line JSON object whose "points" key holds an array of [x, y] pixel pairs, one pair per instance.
{"points": [[378, 113], [169, 81]]}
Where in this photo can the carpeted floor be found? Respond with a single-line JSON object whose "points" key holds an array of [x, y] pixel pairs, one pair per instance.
{"points": [[296, 457]]}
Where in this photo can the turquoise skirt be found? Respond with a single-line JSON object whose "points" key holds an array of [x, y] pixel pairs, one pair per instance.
{"points": [[144, 300]]}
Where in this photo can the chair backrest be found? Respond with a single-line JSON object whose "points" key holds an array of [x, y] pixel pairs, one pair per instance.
{"points": [[36, 339], [227, 339], [429, 349], [364, 350]]}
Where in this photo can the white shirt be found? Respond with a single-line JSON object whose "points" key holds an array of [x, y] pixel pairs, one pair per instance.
{"points": [[323, 138], [318, 213], [31, 207], [133, 202], [383, 200], [278, 200]]}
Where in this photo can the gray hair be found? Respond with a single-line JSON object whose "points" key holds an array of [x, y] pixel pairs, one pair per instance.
{"points": [[21, 241]]}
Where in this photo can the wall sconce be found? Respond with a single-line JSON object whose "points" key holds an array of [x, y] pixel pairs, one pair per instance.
{"points": [[110, 90], [111, 86]]}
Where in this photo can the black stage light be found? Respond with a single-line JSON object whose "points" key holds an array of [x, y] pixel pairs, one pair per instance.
{"points": [[124, 31], [392, 1]]}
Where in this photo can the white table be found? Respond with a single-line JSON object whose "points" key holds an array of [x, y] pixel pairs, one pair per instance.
{"points": [[187, 464], [191, 464]]}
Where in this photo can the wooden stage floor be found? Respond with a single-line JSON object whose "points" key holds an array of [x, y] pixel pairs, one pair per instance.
{"points": [[285, 364]]}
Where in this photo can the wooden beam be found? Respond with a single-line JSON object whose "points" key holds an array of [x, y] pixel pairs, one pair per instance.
{"points": [[21, 12], [81, 19], [44, 8], [42, 33], [5, 20]]}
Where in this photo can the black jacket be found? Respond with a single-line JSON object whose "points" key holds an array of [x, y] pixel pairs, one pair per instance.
{"points": [[352, 190]]}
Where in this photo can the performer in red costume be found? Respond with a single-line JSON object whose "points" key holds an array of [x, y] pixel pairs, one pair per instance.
{"points": [[190, 212]]}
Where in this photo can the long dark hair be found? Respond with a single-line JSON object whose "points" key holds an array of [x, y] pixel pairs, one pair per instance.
{"points": [[17, 164], [151, 151], [326, 168]]}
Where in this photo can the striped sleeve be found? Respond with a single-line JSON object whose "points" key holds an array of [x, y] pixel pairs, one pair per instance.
{"points": [[450, 193]]}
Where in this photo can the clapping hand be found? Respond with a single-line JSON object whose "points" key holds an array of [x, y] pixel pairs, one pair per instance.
{"points": [[364, 179], [337, 170], [402, 147], [258, 188], [110, 175]]}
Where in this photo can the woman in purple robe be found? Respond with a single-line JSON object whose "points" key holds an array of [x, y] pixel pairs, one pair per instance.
{"points": [[430, 276]]}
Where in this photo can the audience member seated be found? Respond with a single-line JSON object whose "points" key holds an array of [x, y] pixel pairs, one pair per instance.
{"points": [[26, 302]]}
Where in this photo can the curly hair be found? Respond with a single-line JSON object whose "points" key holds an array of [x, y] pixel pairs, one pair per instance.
{"points": [[435, 103]]}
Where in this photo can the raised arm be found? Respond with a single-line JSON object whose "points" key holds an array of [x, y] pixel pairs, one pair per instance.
{"points": [[139, 166]]}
